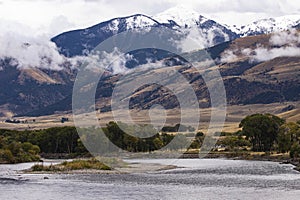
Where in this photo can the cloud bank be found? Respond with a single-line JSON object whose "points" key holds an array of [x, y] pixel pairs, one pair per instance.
{"points": [[196, 39], [281, 44], [113, 62], [28, 51]]}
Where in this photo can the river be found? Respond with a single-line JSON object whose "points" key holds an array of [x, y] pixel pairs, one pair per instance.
{"points": [[195, 179]]}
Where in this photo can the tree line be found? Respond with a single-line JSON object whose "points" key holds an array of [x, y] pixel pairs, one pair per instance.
{"points": [[26, 146], [260, 132]]}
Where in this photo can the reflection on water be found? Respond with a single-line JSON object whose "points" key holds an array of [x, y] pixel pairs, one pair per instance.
{"points": [[198, 179]]}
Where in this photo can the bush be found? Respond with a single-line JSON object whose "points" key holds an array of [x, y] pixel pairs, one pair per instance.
{"points": [[199, 134], [234, 141], [26, 146], [35, 149], [295, 151], [37, 168], [15, 148], [222, 134], [6, 156], [40, 168]]}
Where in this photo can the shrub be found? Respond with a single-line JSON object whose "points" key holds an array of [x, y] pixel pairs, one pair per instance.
{"points": [[6, 156], [200, 134], [295, 151], [38, 168], [26, 146]]}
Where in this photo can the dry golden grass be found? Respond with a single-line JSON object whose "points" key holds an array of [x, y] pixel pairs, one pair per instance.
{"points": [[37, 75], [234, 115]]}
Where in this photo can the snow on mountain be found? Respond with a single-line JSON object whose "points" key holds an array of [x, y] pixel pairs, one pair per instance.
{"points": [[126, 23], [139, 21], [265, 26], [77, 42], [182, 16], [189, 22], [131, 22], [201, 30]]}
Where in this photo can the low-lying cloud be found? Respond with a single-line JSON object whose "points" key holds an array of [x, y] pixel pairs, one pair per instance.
{"points": [[196, 39], [262, 54], [113, 62], [290, 37], [228, 56], [38, 51], [25, 48], [26, 51], [281, 44]]}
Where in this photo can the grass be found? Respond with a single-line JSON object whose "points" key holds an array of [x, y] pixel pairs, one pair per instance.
{"points": [[84, 164], [73, 165], [114, 162]]}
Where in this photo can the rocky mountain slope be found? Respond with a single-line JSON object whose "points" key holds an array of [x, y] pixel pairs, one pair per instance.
{"points": [[25, 90], [246, 81]]}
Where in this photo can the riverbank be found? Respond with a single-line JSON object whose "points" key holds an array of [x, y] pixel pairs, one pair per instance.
{"points": [[118, 166], [231, 155], [255, 156]]}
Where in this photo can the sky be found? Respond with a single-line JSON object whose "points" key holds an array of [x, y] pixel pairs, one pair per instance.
{"points": [[51, 17]]}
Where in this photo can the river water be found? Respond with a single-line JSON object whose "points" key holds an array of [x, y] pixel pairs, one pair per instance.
{"points": [[196, 179]]}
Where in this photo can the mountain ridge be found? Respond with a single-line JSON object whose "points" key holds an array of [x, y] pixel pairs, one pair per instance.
{"points": [[268, 25], [82, 41]]}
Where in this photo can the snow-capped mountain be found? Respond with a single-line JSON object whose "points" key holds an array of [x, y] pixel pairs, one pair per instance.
{"points": [[78, 42], [265, 26], [188, 20]]}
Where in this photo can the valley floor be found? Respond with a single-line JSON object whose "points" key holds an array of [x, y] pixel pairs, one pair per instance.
{"points": [[234, 114]]}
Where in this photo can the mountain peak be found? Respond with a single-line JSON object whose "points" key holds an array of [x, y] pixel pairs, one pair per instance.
{"points": [[181, 15], [139, 21]]}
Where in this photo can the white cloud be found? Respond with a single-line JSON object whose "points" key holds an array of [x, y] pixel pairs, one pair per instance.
{"points": [[228, 56], [113, 62], [287, 43], [151, 64], [193, 39], [30, 51], [263, 54], [196, 39], [290, 37], [27, 48]]}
